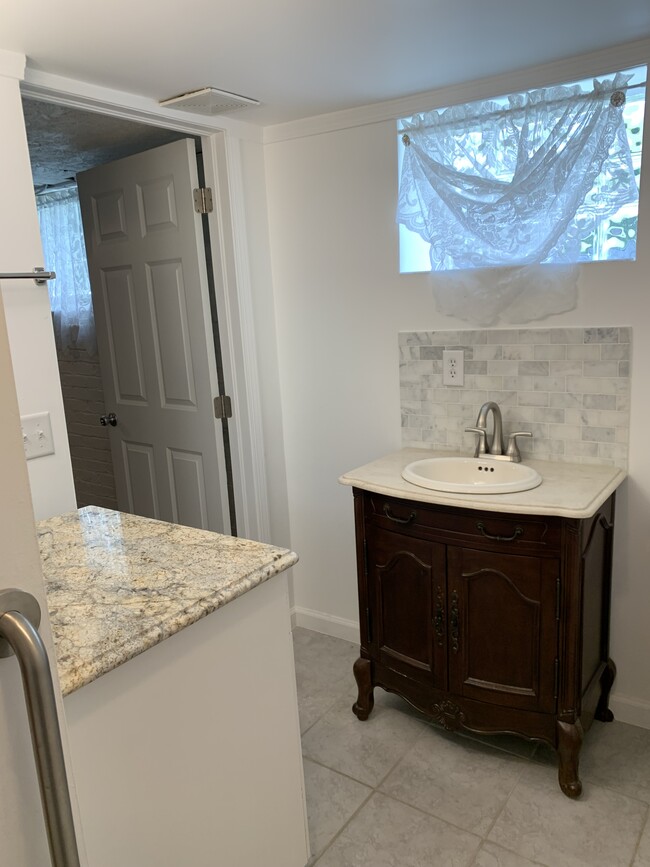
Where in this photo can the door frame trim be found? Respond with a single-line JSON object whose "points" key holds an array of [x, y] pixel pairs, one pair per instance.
{"points": [[228, 232]]}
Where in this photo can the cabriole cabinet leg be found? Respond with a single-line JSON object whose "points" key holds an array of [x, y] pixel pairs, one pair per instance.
{"points": [[366, 700], [569, 742]]}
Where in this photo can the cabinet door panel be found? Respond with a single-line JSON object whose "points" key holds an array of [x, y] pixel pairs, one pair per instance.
{"points": [[503, 628], [407, 592]]}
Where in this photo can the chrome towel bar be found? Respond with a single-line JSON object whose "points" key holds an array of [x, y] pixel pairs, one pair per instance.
{"points": [[20, 616], [38, 275]]}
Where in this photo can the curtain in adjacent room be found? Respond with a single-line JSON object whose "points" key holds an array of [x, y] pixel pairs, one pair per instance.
{"points": [[63, 247]]}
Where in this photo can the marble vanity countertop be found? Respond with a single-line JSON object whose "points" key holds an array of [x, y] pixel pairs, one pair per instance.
{"points": [[117, 584], [567, 490]]}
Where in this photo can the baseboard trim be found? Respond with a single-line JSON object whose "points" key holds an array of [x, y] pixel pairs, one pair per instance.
{"points": [[328, 624], [634, 711]]}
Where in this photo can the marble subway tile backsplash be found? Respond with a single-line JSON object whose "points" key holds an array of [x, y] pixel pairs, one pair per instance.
{"points": [[569, 386]]}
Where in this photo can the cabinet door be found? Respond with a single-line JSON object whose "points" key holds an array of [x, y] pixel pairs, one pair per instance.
{"points": [[407, 589], [503, 628]]}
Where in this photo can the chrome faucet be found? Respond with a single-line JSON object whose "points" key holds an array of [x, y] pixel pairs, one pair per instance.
{"points": [[494, 449]]}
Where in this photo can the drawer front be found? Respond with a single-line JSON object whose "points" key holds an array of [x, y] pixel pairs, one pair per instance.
{"points": [[463, 525]]}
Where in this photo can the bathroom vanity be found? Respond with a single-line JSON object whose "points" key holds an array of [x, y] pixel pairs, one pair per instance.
{"points": [[184, 749], [489, 612]]}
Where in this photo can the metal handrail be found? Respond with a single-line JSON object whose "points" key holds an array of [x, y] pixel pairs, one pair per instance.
{"points": [[19, 619], [38, 275]]}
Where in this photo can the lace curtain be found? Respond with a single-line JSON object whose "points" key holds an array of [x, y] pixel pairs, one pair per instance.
{"points": [[490, 185], [63, 246]]}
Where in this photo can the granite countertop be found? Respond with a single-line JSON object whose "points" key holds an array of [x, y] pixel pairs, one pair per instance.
{"points": [[567, 490], [117, 584]]}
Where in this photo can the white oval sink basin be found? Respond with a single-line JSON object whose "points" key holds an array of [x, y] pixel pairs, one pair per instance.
{"points": [[471, 475]]}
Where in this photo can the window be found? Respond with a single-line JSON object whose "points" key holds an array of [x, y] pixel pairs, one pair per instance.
{"points": [[62, 237], [546, 176]]}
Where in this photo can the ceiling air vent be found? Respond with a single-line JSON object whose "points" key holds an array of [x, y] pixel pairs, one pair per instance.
{"points": [[209, 100]]}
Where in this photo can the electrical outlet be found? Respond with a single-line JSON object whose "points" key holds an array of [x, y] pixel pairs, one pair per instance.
{"points": [[453, 367], [37, 435]]}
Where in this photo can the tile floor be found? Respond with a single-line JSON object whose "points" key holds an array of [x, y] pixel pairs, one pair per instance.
{"points": [[397, 791]]}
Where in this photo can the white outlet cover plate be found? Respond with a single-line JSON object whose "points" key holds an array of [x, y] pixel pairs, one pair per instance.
{"points": [[453, 367], [37, 435]]}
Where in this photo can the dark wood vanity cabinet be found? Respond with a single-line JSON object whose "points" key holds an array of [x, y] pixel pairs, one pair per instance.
{"points": [[486, 621]]}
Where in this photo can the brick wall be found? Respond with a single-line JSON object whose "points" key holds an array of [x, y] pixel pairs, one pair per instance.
{"points": [[83, 400]]}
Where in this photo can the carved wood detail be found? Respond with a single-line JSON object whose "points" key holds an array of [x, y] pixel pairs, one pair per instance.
{"points": [[449, 715], [439, 619]]}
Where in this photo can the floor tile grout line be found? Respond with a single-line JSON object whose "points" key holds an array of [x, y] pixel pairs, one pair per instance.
{"points": [[481, 837], [337, 771], [525, 759], [327, 710], [390, 770], [431, 815], [503, 806], [319, 718], [397, 761], [345, 825], [510, 851], [645, 825], [374, 791]]}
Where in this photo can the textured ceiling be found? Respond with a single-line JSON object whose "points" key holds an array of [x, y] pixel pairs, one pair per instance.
{"points": [[63, 141]]}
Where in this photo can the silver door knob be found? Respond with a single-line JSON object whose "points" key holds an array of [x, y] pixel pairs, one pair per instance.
{"points": [[111, 419]]}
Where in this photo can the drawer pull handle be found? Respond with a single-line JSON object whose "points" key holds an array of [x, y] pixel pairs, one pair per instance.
{"points": [[519, 531], [395, 518]]}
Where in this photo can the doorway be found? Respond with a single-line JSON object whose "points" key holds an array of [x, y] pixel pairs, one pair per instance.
{"points": [[62, 142]]}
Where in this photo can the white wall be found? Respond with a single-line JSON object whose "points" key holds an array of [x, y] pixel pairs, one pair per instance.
{"points": [[27, 307], [340, 304], [247, 325], [22, 832], [254, 203]]}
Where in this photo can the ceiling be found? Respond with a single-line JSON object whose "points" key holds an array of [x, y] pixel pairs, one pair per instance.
{"points": [[307, 57], [63, 141]]}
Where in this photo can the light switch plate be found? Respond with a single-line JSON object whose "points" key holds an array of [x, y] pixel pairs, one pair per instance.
{"points": [[37, 435]]}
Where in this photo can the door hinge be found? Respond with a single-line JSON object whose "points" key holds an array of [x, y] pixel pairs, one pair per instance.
{"points": [[558, 596], [556, 687], [203, 200], [365, 557], [222, 406]]}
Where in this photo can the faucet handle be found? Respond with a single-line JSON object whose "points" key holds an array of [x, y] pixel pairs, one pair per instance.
{"points": [[512, 451], [481, 445]]}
